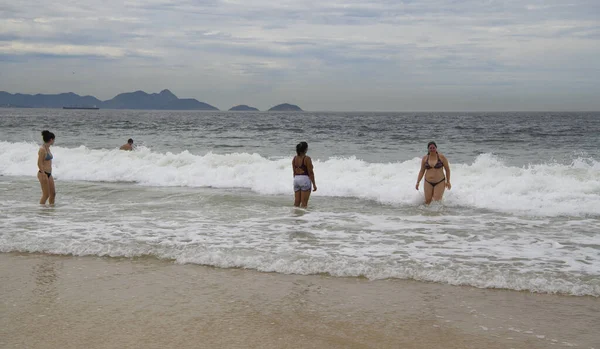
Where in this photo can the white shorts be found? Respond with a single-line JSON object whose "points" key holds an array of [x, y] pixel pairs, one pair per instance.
{"points": [[302, 183]]}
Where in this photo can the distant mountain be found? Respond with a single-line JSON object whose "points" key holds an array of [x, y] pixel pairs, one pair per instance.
{"points": [[165, 100], [285, 107], [243, 107], [47, 101], [187, 104]]}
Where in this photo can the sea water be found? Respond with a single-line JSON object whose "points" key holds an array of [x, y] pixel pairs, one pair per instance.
{"points": [[215, 188]]}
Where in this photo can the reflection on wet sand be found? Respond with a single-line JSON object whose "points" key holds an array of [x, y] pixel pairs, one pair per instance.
{"points": [[45, 275], [89, 302]]}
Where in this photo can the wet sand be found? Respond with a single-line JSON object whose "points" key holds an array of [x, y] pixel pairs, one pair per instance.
{"points": [[92, 302]]}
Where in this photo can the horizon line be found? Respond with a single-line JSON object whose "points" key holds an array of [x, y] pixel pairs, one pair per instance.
{"points": [[330, 111], [303, 110]]}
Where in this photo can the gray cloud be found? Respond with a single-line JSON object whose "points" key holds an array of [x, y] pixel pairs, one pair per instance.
{"points": [[327, 54]]}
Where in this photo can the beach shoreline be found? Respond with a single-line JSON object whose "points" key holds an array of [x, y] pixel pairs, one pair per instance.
{"points": [[51, 301]]}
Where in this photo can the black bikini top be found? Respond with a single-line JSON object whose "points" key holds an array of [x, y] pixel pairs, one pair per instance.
{"points": [[438, 164], [302, 167]]}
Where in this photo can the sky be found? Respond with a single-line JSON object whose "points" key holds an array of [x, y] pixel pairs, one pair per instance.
{"points": [[323, 55]]}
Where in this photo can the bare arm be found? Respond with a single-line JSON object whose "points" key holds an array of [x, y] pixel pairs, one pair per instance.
{"points": [[421, 173], [41, 158], [447, 168], [311, 173]]}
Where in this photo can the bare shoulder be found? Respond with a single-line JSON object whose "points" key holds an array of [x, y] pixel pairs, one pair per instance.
{"points": [[442, 157]]}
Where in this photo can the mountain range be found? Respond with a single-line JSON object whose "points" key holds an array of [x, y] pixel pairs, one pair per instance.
{"points": [[165, 100]]}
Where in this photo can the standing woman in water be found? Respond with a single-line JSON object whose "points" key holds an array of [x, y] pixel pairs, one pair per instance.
{"points": [[45, 169], [432, 166], [303, 175]]}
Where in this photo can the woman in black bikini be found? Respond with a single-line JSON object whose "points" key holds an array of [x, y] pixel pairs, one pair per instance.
{"points": [[432, 166], [45, 169], [303, 175]]}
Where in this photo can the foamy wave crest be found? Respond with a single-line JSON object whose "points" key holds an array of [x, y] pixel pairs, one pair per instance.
{"points": [[453, 274], [548, 189]]}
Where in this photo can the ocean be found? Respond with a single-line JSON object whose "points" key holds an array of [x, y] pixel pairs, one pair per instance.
{"points": [[215, 188]]}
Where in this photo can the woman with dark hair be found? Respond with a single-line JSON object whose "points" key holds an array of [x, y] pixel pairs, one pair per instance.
{"points": [[45, 169], [302, 168], [432, 166]]}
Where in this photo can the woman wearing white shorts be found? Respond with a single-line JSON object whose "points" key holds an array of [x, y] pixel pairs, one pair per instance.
{"points": [[303, 175]]}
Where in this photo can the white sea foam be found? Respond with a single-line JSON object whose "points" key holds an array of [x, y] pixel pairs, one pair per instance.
{"points": [[454, 273], [548, 189], [342, 237]]}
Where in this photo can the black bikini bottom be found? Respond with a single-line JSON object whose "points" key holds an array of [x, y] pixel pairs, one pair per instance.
{"points": [[436, 183], [47, 173]]}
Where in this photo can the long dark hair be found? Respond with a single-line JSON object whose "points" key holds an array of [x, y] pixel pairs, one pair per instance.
{"points": [[47, 136], [301, 148], [430, 143]]}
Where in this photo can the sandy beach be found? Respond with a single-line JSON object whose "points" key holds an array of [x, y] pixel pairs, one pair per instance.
{"points": [[92, 302]]}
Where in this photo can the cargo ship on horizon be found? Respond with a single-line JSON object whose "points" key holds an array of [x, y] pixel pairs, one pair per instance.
{"points": [[78, 107]]}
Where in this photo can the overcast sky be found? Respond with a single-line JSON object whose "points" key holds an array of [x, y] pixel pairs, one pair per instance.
{"points": [[425, 55]]}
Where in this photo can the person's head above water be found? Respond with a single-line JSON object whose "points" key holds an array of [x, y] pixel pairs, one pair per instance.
{"points": [[130, 141], [47, 136], [301, 148], [431, 147]]}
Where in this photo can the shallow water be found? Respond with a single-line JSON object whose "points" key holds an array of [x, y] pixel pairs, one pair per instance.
{"points": [[215, 189]]}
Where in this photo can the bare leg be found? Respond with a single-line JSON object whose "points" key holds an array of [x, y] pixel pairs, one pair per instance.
{"points": [[52, 190], [43, 178], [304, 195], [428, 189], [438, 191], [297, 198]]}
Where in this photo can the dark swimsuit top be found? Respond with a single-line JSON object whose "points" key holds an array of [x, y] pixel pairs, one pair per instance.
{"points": [[438, 164], [49, 155], [301, 167]]}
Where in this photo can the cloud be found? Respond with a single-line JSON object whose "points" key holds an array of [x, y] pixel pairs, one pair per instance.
{"points": [[291, 48]]}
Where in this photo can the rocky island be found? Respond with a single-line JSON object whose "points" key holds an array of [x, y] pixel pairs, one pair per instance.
{"points": [[243, 107], [285, 107]]}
